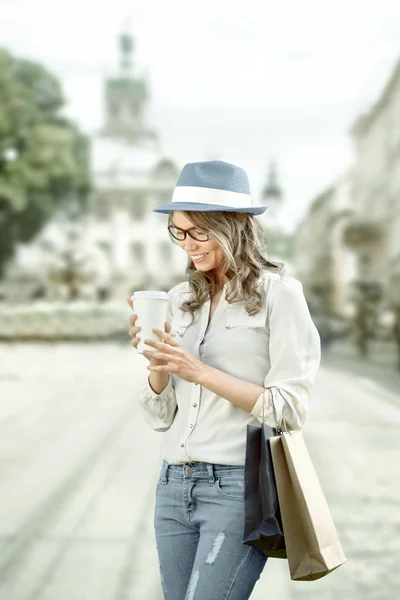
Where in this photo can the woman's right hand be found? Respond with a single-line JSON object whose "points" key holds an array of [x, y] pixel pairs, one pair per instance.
{"points": [[134, 330]]}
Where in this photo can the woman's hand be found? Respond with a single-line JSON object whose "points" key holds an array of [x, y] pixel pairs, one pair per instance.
{"points": [[134, 330], [174, 358]]}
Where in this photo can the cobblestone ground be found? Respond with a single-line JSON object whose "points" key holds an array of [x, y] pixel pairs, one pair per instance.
{"points": [[78, 468]]}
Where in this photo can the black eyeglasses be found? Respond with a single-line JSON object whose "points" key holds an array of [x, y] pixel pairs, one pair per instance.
{"points": [[180, 234]]}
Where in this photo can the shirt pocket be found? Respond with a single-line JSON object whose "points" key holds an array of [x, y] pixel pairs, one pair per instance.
{"points": [[179, 323], [241, 320]]}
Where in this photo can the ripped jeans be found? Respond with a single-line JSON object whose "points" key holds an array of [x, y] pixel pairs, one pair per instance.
{"points": [[198, 522]]}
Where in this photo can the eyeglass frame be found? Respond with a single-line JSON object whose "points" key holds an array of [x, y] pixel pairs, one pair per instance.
{"points": [[186, 232]]}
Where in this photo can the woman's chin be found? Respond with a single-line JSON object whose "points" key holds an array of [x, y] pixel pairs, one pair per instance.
{"points": [[204, 264]]}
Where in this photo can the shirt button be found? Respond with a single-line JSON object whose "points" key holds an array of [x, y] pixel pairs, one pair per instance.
{"points": [[195, 383], [156, 398], [195, 404], [191, 425], [182, 445]]}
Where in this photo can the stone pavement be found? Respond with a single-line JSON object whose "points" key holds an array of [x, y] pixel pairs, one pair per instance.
{"points": [[379, 370], [78, 468]]}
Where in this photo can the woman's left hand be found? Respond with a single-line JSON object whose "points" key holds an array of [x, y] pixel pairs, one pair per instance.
{"points": [[179, 361]]}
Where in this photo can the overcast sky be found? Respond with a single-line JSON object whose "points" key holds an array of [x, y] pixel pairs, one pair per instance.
{"points": [[244, 81]]}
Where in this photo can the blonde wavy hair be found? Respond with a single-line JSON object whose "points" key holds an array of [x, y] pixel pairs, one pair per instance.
{"points": [[241, 238]]}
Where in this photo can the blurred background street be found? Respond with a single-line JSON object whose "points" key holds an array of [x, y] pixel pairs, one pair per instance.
{"points": [[78, 469], [101, 105]]}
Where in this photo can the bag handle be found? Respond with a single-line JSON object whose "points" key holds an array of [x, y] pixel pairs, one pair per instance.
{"points": [[278, 429]]}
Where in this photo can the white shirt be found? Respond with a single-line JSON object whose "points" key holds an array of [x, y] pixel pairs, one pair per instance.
{"points": [[278, 349]]}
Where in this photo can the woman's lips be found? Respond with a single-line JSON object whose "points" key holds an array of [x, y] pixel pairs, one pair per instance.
{"points": [[199, 259]]}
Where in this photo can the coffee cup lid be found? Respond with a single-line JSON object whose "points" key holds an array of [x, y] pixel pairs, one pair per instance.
{"points": [[150, 294]]}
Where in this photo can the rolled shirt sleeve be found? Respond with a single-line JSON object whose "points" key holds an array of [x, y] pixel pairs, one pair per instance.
{"points": [[159, 410], [295, 354]]}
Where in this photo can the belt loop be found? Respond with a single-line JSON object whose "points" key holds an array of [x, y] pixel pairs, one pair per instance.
{"points": [[164, 472], [211, 476]]}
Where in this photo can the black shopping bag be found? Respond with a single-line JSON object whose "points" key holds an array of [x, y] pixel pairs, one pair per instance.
{"points": [[262, 517]]}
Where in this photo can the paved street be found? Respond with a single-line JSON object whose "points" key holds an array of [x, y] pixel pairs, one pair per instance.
{"points": [[78, 468]]}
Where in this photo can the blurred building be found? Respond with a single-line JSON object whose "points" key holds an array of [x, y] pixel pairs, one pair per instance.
{"points": [[116, 243], [279, 240], [125, 243], [324, 264], [342, 260], [374, 231], [131, 175], [347, 247], [313, 252]]}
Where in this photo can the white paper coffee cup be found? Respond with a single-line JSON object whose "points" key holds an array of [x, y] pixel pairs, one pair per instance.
{"points": [[151, 308]]}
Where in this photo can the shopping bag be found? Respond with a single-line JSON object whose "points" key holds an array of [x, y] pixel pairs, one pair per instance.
{"points": [[262, 519], [312, 544]]}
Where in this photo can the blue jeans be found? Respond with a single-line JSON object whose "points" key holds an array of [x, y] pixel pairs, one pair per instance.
{"points": [[198, 522]]}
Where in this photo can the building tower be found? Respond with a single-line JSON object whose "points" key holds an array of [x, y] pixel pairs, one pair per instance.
{"points": [[272, 197], [126, 98], [278, 239]]}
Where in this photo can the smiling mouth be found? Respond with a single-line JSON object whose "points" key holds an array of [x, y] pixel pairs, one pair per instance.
{"points": [[196, 260]]}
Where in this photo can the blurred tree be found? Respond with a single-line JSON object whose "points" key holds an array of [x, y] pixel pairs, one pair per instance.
{"points": [[43, 156], [70, 265]]}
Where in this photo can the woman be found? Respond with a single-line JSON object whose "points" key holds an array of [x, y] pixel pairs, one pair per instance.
{"points": [[239, 335]]}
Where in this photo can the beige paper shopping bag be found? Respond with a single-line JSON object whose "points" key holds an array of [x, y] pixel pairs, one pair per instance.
{"points": [[312, 544]]}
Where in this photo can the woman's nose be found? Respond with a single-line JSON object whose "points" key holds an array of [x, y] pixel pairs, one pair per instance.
{"points": [[188, 245]]}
